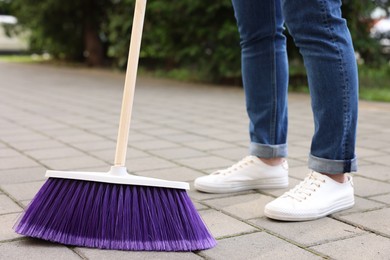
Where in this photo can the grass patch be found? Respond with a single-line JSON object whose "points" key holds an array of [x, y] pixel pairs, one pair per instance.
{"points": [[374, 83], [375, 94], [25, 58]]}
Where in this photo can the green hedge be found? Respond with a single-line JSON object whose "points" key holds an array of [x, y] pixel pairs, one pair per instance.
{"points": [[196, 35], [197, 38]]}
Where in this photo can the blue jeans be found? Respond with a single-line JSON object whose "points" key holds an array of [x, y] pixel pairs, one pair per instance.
{"points": [[325, 43]]}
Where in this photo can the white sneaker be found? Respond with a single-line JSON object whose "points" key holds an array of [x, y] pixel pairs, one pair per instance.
{"points": [[249, 173], [315, 197]]}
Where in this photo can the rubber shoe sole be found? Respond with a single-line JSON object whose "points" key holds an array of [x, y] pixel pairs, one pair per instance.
{"points": [[261, 184], [339, 206]]}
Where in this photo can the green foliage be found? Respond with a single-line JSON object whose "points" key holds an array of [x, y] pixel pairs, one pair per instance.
{"points": [[197, 35], [5, 6], [186, 37], [357, 13], [61, 37], [57, 26]]}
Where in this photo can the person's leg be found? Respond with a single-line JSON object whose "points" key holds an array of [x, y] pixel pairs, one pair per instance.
{"points": [[325, 43], [265, 78], [265, 74]]}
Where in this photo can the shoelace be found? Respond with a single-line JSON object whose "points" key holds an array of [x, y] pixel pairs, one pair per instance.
{"points": [[235, 167], [305, 189]]}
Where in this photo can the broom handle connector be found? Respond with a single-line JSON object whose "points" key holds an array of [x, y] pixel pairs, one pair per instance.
{"points": [[130, 81]]}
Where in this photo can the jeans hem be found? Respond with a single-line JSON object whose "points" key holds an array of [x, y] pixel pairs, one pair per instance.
{"points": [[332, 166], [268, 150]]}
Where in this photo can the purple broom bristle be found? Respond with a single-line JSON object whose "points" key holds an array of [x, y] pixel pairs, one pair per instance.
{"points": [[115, 216]]}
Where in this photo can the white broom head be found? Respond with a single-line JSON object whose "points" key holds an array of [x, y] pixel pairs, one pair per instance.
{"points": [[117, 175]]}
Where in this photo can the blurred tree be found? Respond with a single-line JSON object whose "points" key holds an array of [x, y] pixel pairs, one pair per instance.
{"points": [[357, 13], [5, 7], [198, 36], [66, 29], [385, 4]]}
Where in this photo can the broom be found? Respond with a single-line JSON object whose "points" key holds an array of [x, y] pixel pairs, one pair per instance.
{"points": [[116, 210]]}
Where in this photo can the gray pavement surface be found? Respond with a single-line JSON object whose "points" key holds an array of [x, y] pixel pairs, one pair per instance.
{"points": [[67, 118]]}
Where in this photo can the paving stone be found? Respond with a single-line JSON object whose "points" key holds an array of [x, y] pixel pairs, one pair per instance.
{"points": [[104, 168], [109, 154], [117, 255], [367, 246], [17, 162], [243, 206], [8, 152], [298, 172], [234, 154], [199, 195], [212, 132], [12, 130], [25, 203], [134, 153], [361, 205], [362, 162], [8, 206], [209, 145], [54, 153], [365, 152], [382, 160], [162, 131], [294, 162], [378, 172], [369, 143], [35, 145], [48, 128], [24, 137], [203, 163], [233, 137], [200, 206], [259, 245], [153, 144], [73, 163], [7, 222], [309, 233], [173, 174], [183, 138], [366, 187], [222, 225], [95, 146], [298, 140], [140, 126], [295, 151], [377, 220], [194, 140], [82, 137], [109, 132], [22, 191], [306, 131], [383, 198], [35, 249], [278, 192], [148, 163], [22, 175], [178, 153]]}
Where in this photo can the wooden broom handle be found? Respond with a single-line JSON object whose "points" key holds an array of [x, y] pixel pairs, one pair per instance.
{"points": [[129, 89]]}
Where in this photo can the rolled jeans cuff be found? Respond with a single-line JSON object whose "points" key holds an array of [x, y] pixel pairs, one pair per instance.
{"points": [[268, 150], [332, 166]]}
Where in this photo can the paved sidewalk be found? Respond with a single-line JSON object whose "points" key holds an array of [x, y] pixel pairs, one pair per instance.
{"points": [[66, 119]]}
